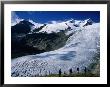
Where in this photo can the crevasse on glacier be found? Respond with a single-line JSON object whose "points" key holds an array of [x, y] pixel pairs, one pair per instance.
{"points": [[79, 51]]}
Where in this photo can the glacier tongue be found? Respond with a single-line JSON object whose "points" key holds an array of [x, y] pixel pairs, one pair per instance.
{"points": [[79, 51]]}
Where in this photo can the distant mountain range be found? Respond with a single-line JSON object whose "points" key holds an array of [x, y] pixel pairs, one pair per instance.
{"points": [[52, 27]]}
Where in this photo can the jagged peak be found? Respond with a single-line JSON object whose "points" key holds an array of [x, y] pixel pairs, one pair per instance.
{"points": [[26, 23], [89, 20]]}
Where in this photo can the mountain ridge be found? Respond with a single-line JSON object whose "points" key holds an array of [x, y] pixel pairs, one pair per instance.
{"points": [[57, 26]]}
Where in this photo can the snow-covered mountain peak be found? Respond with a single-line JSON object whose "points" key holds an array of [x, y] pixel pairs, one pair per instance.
{"points": [[36, 25], [88, 22], [71, 21]]}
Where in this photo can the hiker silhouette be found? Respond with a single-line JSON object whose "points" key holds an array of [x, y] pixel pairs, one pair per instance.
{"points": [[85, 70], [60, 72], [78, 70], [70, 71]]}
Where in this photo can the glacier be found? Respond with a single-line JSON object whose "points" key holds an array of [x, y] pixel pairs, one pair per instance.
{"points": [[78, 51]]}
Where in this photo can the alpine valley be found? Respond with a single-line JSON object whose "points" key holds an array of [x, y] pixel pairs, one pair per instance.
{"points": [[43, 49]]}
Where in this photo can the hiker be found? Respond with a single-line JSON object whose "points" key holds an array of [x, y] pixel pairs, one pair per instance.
{"points": [[85, 70], [78, 70], [60, 72], [70, 71]]}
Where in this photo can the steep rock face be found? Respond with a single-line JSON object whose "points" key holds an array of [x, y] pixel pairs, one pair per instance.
{"points": [[22, 27], [18, 31]]}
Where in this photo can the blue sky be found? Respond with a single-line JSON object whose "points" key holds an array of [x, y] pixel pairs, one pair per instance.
{"points": [[47, 16]]}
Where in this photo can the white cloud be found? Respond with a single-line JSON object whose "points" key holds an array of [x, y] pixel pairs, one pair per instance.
{"points": [[15, 19], [54, 22]]}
